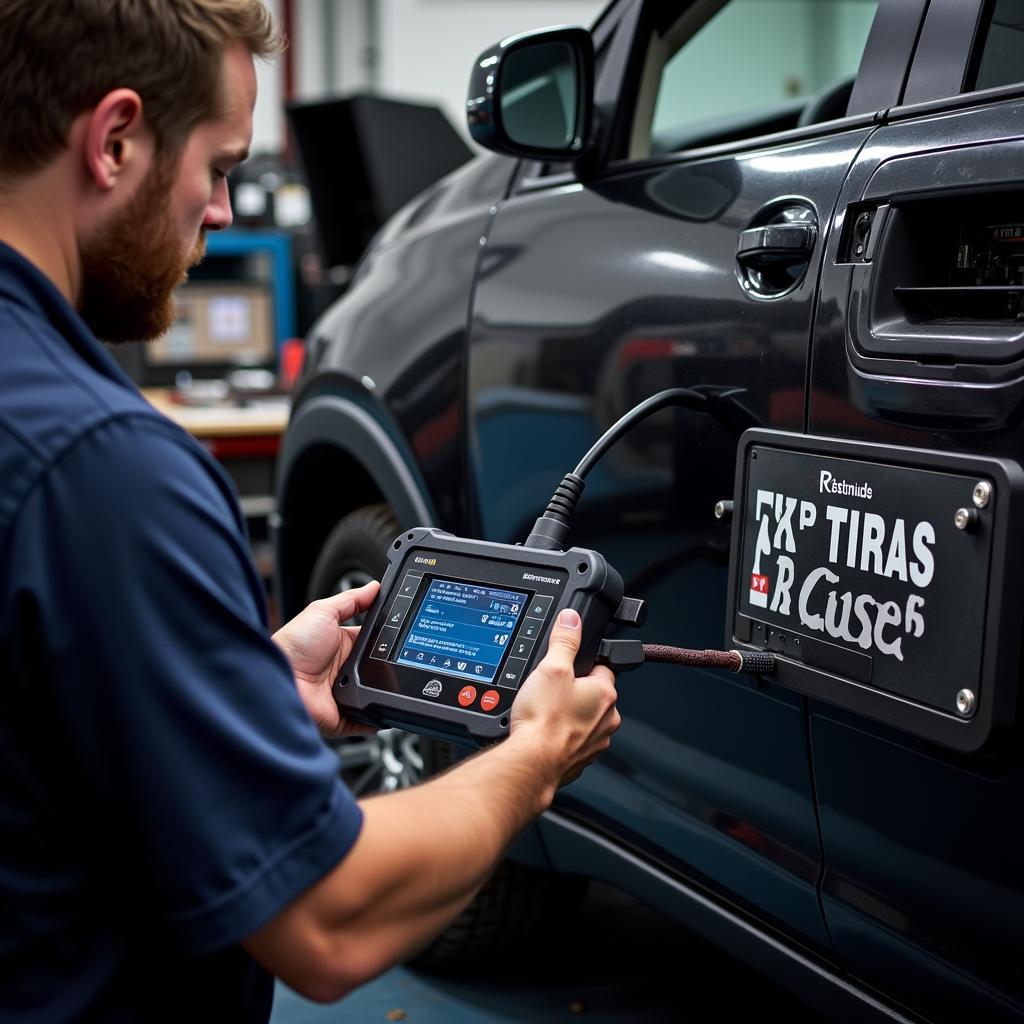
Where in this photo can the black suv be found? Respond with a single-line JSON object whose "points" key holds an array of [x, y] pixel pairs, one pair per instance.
{"points": [[811, 212]]}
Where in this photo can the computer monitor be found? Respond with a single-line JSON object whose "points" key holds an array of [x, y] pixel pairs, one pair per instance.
{"points": [[219, 324]]}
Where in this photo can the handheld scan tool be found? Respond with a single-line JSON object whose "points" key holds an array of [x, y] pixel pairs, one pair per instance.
{"points": [[459, 624]]}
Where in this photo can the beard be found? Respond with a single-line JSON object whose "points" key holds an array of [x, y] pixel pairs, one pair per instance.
{"points": [[132, 265]]}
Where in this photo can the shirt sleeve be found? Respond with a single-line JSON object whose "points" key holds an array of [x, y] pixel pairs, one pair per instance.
{"points": [[144, 640]]}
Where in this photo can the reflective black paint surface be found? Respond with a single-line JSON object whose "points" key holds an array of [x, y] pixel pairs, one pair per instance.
{"points": [[592, 299], [400, 331], [497, 333]]}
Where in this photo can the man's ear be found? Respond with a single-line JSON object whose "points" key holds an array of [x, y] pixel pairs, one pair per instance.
{"points": [[116, 136]]}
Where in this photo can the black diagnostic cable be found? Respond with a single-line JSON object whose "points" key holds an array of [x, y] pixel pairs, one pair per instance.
{"points": [[551, 531]]}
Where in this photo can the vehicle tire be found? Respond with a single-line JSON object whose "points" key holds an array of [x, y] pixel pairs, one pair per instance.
{"points": [[516, 900], [516, 904], [355, 552]]}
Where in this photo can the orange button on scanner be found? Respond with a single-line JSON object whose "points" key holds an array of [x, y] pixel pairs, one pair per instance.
{"points": [[467, 695], [489, 701]]}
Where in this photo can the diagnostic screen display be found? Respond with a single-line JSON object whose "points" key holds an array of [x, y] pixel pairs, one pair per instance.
{"points": [[462, 629]]}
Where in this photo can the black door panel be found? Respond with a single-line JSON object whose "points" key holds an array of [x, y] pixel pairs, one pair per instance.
{"points": [[592, 298]]}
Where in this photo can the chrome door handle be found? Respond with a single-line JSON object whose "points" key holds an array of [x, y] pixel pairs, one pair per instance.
{"points": [[776, 243]]}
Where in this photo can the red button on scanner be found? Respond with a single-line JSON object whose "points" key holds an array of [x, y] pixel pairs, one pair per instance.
{"points": [[489, 701], [467, 695]]}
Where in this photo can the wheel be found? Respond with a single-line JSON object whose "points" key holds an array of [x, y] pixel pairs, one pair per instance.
{"points": [[516, 903], [354, 553], [516, 899]]}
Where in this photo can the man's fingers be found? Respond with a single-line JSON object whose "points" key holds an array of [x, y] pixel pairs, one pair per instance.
{"points": [[565, 638], [351, 602], [603, 673], [609, 723]]}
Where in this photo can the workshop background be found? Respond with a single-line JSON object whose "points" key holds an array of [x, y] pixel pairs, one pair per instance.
{"points": [[225, 371], [362, 83]]}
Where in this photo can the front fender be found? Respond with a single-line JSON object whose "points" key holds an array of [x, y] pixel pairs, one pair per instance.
{"points": [[337, 455]]}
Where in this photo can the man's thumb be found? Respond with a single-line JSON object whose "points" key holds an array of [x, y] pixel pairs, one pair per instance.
{"points": [[566, 635], [350, 602]]}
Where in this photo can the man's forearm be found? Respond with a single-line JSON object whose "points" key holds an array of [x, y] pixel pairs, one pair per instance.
{"points": [[471, 814], [421, 856], [425, 848]]}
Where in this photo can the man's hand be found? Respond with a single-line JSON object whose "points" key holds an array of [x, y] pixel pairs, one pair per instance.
{"points": [[569, 720], [316, 644]]}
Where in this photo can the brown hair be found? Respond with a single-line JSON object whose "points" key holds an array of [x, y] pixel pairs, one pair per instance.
{"points": [[59, 58]]}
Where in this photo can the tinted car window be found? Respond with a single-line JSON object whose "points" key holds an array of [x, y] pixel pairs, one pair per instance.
{"points": [[748, 67], [1001, 58]]}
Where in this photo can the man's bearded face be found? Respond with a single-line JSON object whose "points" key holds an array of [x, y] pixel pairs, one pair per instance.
{"points": [[133, 263]]}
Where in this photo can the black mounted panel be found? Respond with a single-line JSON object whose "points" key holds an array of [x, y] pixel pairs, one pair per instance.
{"points": [[883, 577]]}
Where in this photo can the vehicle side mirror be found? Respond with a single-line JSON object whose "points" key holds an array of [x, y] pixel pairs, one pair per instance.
{"points": [[532, 95]]}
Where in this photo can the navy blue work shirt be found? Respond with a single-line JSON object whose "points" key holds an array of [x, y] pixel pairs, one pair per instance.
{"points": [[163, 791]]}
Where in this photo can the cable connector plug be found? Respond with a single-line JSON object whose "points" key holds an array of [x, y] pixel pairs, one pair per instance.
{"points": [[758, 663], [620, 655], [551, 530]]}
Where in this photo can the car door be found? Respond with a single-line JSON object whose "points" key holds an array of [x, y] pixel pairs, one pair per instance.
{"points": [[729, 129], [918, 344]]}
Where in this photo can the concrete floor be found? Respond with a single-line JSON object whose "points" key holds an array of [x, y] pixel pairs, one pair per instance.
{"points": [[618, 963]]}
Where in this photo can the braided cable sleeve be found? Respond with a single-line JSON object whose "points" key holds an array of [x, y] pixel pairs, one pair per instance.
{"points": [[755, 662], [699, 659]]}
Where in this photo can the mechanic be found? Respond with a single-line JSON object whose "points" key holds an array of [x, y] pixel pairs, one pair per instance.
{"points": [[170, 818]]}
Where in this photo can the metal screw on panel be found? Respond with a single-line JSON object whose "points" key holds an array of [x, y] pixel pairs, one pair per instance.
{"points": [[965, 702], [723, 510], [982, 493], [966, 519]]}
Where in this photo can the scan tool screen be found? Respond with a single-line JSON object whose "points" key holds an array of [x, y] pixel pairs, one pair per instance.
{"points": [[461, 628]]}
